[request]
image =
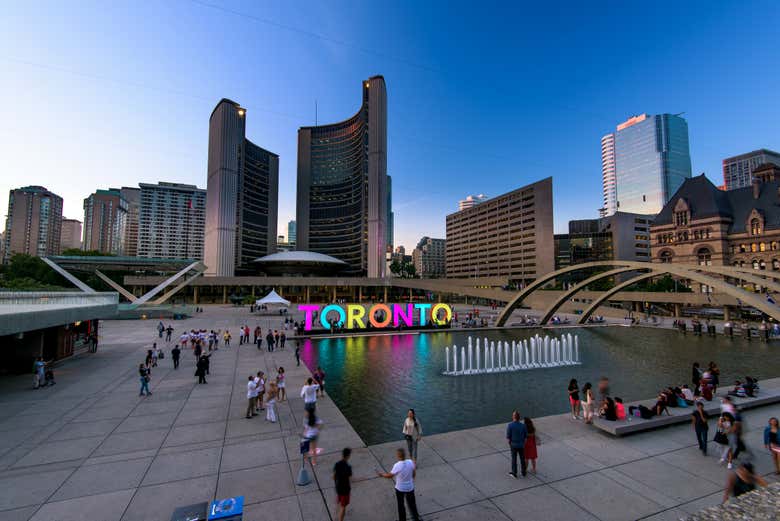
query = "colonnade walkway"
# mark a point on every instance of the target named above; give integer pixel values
(91, 448)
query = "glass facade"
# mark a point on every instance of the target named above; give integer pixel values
(254, 203)
(652, 160)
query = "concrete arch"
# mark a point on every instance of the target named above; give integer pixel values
(752, 299)
(693, 272)
(550, 311)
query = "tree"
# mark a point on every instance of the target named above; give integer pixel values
(75, 252)
(25, 272)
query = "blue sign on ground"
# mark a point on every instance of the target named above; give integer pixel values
(229, 509)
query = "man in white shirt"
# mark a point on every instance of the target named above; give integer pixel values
(403, 472)
(251, 397)
(309, 395)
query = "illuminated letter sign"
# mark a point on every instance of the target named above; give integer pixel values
(353, 317)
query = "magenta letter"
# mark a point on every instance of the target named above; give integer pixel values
(308, 309)
(398, 311)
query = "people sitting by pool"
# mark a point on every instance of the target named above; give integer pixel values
(738, 390)
(607, 409)
(679, 398)
(620, 410)
(750, 386)
(647, 413)
(687, 394)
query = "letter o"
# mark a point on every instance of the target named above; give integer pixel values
(435, 314)
(327, 309)
(376, 323)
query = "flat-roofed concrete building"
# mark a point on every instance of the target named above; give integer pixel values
(738, 171)
(172, 221)
(105, 219)
(70, 238)
(342, 186)
(34, 222)
(132, 196)
(243, 194)
(510, 235)
(429, 258)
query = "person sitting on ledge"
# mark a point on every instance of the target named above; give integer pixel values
(738, 390)
(657, 410)
(607, 409)
(750, 386)
(680, 398)
(620, 410)
(687, 394)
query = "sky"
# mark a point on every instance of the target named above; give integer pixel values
(482, 98)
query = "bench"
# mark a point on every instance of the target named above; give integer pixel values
(683, 414)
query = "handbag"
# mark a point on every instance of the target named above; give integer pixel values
(721, 438)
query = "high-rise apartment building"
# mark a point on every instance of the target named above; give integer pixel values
(34, 222)
(510, 235)
(390, 215)
(471, 201)
(172, 221)
(133, 198)
(105, 219)
(429, 258)
(70, 238)
(738, 170)
(643, 163)
(291, 234)
(342, 186)
(242, 199)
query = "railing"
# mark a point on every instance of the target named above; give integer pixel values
(9, 299)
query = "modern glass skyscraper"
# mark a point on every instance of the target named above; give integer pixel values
(390, 214)
(292, 234)
(650, 158)
(242, 195)
(342, 186)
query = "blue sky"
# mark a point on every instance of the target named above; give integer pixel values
(483, 98)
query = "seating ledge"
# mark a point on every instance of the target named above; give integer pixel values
(682, 414)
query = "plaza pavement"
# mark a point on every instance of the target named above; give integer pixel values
(91, 449)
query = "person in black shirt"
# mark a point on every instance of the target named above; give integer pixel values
(699, 421)
(342, 475)
(175, 354)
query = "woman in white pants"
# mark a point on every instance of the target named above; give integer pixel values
(270, 406)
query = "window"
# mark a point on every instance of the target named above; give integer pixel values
(755, 264)
(704, 257)
(762, 246)
(776, 264)
(681, 218)
(743, 248)
(755, 226)
(666, 257)
(773, 245)
(761, 265)
(753, 247)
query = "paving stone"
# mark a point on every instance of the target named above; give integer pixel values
(157, 502)
(55, 451)
(670, 481)
(106, 477)
(252, 454)
(85, 429)
(188, 434)
(30, 489)
(482, 510)
(108, 507)
(184, 465)
(18, 514)
(286, 508)
(147, 422)
(274, 482)
(442, 487)
(453, 446)
(541, 504)
(122, 442)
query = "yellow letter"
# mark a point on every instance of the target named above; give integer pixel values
(355, 313)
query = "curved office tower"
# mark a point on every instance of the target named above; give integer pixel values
(242, 195)
(342, 186)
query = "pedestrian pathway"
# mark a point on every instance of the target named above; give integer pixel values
(91, 448)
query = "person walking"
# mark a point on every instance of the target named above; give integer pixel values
(39, 372)
(251, 397)
(175, 355)
(270, 406)
(309, 395)
(269, 338)
(319, 378)
(412, 431)
(155, 354)
(168, 333)
(200, 369)
(226, 338)
(743, 480)
(574, 398)
(531, 441)
(144, 374)
(516, 434)
(342, 476)
(311, 433)
(700, 426)
(160, 329)
(282, 339)
(297, 353)
(258, 333)
(280, 384)
(276, 338)
(403, 473)
(772, 442)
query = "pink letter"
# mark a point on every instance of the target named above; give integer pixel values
(308, 309)
(398, 312)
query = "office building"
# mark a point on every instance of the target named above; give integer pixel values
(133, 198)
(471, 201)
(620, 236)
(70, 238)
(291, 234)
(429, 258)
(34, 222)
(105, 219)
(507, 236)
(643, 163)
(242, 199)
(738, 170)
(342, 186)
(172, 221)
(390, 215)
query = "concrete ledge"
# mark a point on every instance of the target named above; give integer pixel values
(766, 396)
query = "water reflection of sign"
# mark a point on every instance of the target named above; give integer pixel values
(354, 316)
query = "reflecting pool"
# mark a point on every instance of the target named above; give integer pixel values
(375, 379)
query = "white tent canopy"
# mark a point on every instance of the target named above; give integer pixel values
(272, 298)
